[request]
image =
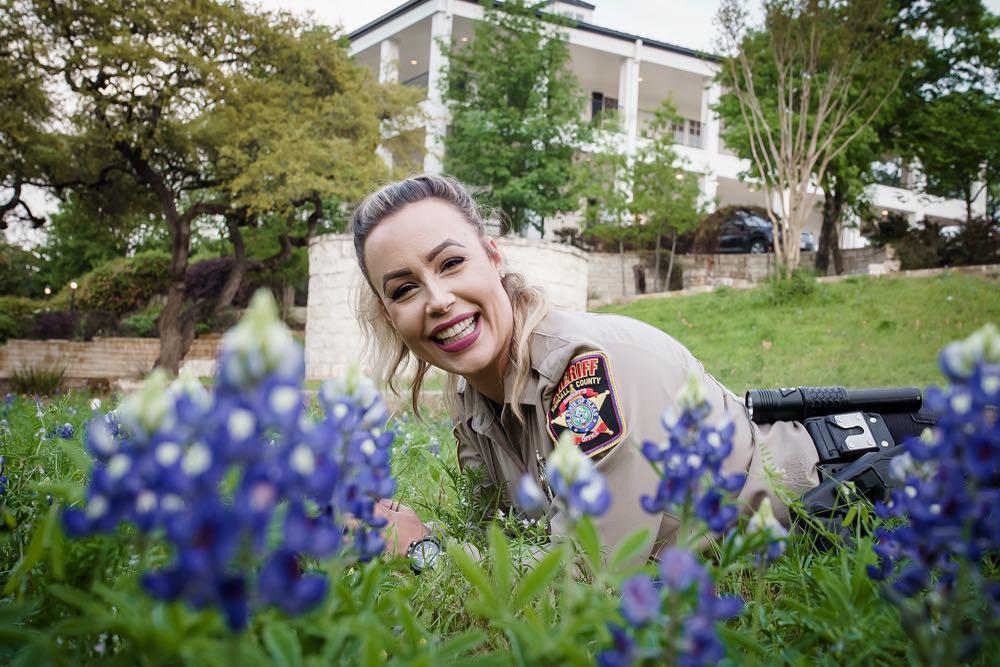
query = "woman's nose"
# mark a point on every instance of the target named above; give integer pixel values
(439, 298)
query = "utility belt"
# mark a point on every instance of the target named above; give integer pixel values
(855, 431)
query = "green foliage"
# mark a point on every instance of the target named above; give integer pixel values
(124, 284)
(521, 601)
(143, 323)
(801, 89)
(37, 380)
(254, 114)
(17, 315)
(19, 272)
(515, 114)
(79, 239)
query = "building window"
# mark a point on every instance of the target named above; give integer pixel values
(694, 133)
(599, 104)
(677, 127)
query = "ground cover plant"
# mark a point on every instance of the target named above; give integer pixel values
(754, 595)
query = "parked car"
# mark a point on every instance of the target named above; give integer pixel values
(746, 231)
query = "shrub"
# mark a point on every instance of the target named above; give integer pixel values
(60, 324)
(144, 323)
(977, 242)
(16, 316)
(43, 380)
(125, 284)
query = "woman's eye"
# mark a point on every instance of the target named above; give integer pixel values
(401, 291)
(451, 263)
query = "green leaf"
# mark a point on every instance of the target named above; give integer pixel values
(41, 539)
(282, 645)
(473, 573)
(590, 542)
(503, 570)
(538, 578)
(461, 643)
(632, 547)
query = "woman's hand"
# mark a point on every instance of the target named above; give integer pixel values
(404, 528)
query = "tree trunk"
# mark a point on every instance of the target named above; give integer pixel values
(656, 264)
(829, 235)
(670, 265)
(171, 321)
(621, 255)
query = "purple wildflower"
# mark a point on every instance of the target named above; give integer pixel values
(622, 653)
(209, 470)
(949, 492)
(640, 600)
(65, 431)
(690, 463)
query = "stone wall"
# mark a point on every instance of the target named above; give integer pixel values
(109, 358)
(607, 275)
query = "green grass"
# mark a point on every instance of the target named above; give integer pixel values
(860, 332)
(813, 606)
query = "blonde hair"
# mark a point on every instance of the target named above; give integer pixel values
(386, 351)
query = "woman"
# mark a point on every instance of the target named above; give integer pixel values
(520, 374)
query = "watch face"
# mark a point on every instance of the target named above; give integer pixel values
(425, 552)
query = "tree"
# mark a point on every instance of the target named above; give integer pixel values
(664, 194)
(804, 87)
(515, 114)
(192, 109)
(643, 197)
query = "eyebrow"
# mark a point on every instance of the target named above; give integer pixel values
(441, 246)
(435, 251)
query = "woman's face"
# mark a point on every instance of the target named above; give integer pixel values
(440, 285)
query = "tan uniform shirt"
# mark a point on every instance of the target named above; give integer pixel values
(648, 369)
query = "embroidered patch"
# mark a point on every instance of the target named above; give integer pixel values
(585, 403)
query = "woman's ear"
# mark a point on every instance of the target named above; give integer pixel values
(493, 252)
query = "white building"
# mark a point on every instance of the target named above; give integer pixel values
(626, 72)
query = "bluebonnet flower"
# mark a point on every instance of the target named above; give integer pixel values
(575, 481)
(949, 492)
(622, 654)
(683, 595)
(640, 600)
(65, 431)
(529, 495)
(763, 521)
(3, 477)
(216, 472)
(690, 462)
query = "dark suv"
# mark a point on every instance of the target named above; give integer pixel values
(745, 231)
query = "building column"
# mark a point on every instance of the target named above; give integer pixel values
(388, 56)
(709, 187)
(437, 112)
(979, 203)
(709, 121)
(628, 97)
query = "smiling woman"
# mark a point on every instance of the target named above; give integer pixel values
(522, 377)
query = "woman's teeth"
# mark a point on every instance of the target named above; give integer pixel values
(456, 331)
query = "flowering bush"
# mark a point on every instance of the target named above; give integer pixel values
(215, 472)
(690, 460)
(948, 495)
(671, 618)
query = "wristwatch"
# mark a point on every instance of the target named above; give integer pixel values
(423, 553)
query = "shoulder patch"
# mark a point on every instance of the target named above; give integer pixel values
(586, 404)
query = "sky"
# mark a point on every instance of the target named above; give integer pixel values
(681, 22)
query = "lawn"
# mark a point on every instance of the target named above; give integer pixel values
(78, 601)
(862, 332)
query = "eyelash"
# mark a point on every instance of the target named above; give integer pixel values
(447, 264)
